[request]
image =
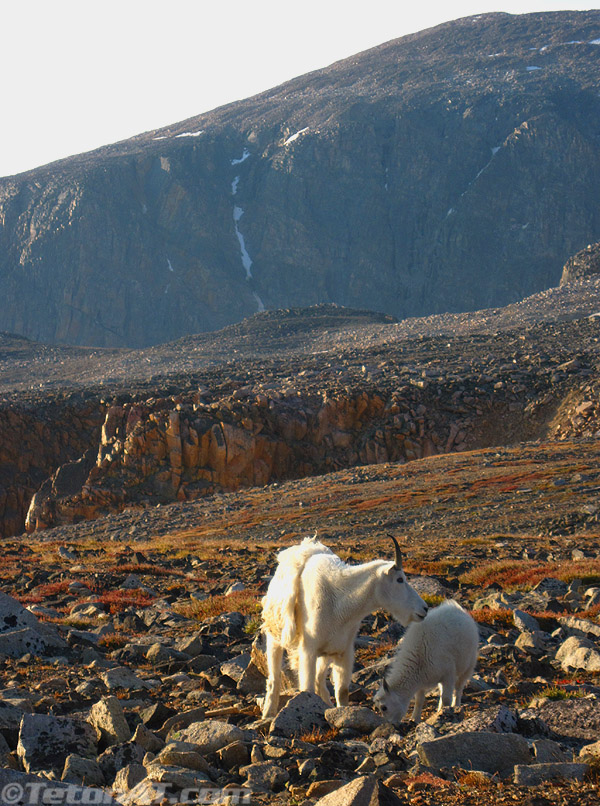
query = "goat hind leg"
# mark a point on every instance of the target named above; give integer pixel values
(307, 668)
(323, 664)
(274, 661)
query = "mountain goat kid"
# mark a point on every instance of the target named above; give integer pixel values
(440, 650)
(313, 608)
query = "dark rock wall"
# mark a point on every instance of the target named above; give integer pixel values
(450, 170)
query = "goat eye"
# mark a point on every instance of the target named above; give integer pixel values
(400, 579)
(384, 707)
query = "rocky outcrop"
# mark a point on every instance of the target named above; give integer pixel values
(34, 441)
(582, 265)
(181, 448)
(449, 170)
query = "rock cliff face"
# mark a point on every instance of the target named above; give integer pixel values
(449, 170)
(584, 264)
(34, 441)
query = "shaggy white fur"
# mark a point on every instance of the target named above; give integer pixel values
(439, 651)
(313, 609)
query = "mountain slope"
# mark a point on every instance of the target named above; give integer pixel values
(449, 170)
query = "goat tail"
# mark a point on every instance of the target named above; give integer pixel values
(279, 603)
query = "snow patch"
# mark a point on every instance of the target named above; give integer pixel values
(495, 150)
(170, 265)
(190, 134)
(243, 158)
(594, 42)
(450, 211)
(532, 67)
(167, 288)
(259, 302)
(234, 185)
(161, 137)
(295, 136)
(246, 259)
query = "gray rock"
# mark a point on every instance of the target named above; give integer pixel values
(119, 755)
(108, 718)
(178, 777)
(127, 778)
(235, 754)
(302, 713)
(210, 735)
(532, 643)
(78, 770)
(579, 626)
(264, 776)
(236, 667)
(534, 774)
(489, 752)
(578, 653)
(573, 720)
(590, 752)
(183, 754)
(147, 739)
(15, 643)
(45, 741)
(122, 677)
(497, 719)
(525, 622)
(360, 792)
(353, 717)
(546, 751)
(252, 681)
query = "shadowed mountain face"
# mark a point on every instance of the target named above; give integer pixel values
(450, 170)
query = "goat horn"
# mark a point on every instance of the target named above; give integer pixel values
(386, 687)
(398, 552)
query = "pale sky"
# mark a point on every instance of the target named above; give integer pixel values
(78, 74)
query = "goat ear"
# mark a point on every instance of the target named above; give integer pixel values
(386, 687)
(398, 558)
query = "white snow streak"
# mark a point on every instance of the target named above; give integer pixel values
(246, 259)
(243, 158)
(170, 265)
(190, 134)
(531, 68)
(234, 185)
(259, 302)
(295, 136)
(495, 150)
(594, 42)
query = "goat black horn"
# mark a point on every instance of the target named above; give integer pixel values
(398, 552)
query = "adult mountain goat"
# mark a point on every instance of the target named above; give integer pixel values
(313, 609)
(440, 650)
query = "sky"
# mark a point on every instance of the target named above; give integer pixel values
(79, 74)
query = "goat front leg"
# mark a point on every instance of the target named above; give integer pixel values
(342, 674)
(418, 706)
(307, 668)
(274, 661)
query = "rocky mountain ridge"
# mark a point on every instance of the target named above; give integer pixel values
(451, 170)
(284, 395)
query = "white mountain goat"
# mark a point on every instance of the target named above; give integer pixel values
(313, 608)
(440, 650)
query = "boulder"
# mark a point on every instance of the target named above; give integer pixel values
(264, 776)
(534, 774)
(122, 677)
(573, 720)
(480, 750)
(210, 735)
(362, 791)
(352, 717)
(578, 653)
(45, 741)
(302, 713)
(79, 770)
(108, 718)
